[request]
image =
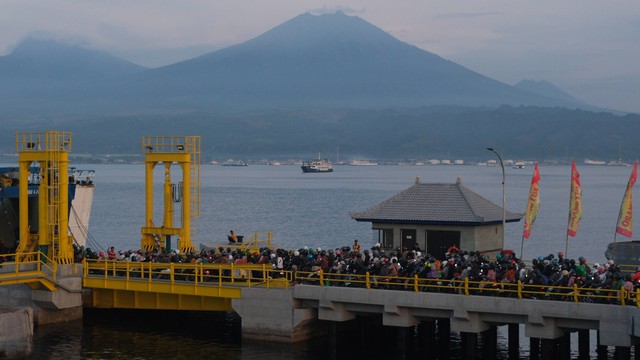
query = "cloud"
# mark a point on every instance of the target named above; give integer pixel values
(460, 15)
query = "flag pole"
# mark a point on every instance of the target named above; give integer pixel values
(522, 248)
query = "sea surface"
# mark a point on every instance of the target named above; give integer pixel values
(312, 210)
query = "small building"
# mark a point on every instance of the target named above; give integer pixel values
(437, 216)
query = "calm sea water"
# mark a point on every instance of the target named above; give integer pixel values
(313, 209)
(308, 209)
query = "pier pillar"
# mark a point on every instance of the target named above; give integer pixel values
(583, 344)
(269, 315)
(444, 333)
(534, 348)
(547, 349)
(601, 350)
(564, 346)
(514, 340)
(622, 353)
(469, 345)
(333, 338)
(401, 342)
(427, 333)
(490, 340)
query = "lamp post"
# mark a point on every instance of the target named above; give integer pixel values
(504, 198)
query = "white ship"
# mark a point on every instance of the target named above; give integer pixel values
(362, 163)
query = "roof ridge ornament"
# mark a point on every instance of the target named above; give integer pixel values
(417, 180)
(458, 181)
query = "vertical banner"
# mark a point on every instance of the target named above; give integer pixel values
(625, 217)
(533, 204)
(575, 203)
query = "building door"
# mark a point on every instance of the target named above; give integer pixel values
(408, 238)
(438, 242)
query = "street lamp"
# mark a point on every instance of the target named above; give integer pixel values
(504, 197)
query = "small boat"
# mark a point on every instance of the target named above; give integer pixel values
(362, 163)
(232, 162)
(588, 161)
(618, 162)
(317, 166)
(518, 164)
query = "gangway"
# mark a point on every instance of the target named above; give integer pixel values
(36, 270)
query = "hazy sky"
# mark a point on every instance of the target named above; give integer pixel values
(589, 48)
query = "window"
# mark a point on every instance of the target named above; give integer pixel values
(384, 237)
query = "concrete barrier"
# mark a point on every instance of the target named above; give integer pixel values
(16, 331)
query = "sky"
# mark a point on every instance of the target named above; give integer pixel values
(588, 48)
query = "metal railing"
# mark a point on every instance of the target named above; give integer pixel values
(470, 288)
(197, 274)
(27, 267)
(247, 275)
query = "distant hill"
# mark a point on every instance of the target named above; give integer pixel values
(51, 76)
(545, 88)
(442, 132)
(325, 61)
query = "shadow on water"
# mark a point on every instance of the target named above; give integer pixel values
(136, 334)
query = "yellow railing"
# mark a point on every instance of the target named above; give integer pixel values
(470, 288)
(255, 241)
(247, 275)
(189, 273)
(27, 268)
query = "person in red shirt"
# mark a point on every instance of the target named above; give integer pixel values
(111, 253)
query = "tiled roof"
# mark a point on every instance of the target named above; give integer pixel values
(437, 204)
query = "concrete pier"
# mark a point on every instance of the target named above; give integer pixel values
(306, 311)
(274, 315)
(16, 331)
(23, 308)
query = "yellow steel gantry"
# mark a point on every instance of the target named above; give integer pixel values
(184, 151)
(51, 150)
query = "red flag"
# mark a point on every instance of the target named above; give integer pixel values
(625, 217)
(533, 204)
(575, 203)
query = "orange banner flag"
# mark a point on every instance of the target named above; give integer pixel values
(625, 217)
(533, 204)
(575, 203)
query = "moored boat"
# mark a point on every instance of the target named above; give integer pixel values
(318, 165)
(362, 163)
(81, 189)
(232, 162)
(518, 164)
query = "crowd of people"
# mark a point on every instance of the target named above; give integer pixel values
(395, 265)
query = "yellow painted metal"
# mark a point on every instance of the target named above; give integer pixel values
(184, 151)
(126, 299)
(50, 149)
(33, 269)
(174, 286)
(167, 221)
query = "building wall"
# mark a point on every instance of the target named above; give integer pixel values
(472, 238)
(488, 238)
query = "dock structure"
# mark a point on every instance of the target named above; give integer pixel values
(305, 311)
(285, 306)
